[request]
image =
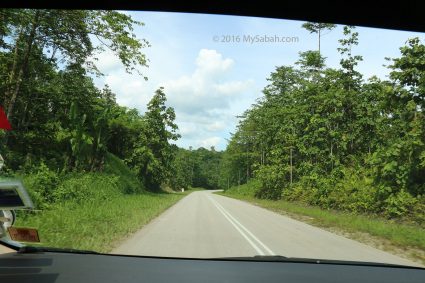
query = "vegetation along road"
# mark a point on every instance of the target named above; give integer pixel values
(323, 140)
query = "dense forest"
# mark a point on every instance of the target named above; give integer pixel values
(332, 138)
(65, 127)
(319, 135)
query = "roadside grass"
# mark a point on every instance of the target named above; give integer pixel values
(91, 211)
(95, 225)
(390, 235)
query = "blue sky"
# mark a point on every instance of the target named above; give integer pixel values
(210, 82)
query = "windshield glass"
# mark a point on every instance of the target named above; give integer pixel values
(211, 136)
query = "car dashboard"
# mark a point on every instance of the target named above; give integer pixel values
(49, 267)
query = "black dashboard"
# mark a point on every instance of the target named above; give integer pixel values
(49, 267)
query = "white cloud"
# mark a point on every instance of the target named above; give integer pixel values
(216, 126)
(209, 142)
(232, 87)
(131, 91)
(188, 130)
(108, 62)
(210, 62)
(204, 99)
(204, 90)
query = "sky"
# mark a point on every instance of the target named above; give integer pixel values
(212, 71)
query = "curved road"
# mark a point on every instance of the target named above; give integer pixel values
(206, 225)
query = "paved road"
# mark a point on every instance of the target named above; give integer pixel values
(205, 225)
(4, 250)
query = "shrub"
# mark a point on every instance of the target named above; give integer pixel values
(399, 204)
(249, 189)
(87, 187)
(272, 181)
(353, 193)
(128, 182)
(41, 185)
(418, 211)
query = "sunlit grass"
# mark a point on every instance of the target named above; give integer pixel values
(97, 226)
(105, 212)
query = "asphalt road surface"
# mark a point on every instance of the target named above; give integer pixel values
(206, 225)
(4, 250)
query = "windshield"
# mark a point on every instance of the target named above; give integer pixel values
(212, 136)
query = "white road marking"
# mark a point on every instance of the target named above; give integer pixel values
(256, 248)
(249, 232)
(239, 226)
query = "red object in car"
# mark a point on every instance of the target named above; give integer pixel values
(4, 123)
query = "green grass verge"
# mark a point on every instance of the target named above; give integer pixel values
(399, 234)
(91, 211)
(97, 226)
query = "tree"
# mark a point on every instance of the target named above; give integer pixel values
(349, 61)
(311, 61)
(408, 71)
(326, 137)
(318, 28)
(66, 36)
(400, 162)
(182, 169)
(153, 155)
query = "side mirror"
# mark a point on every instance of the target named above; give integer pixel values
(12, 196)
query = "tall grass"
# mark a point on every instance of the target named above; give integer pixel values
(97, 225)
(91, 211)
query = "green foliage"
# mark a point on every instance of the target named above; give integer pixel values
(272, 182)
(91, 187)
(323, 136)
(399, 204)
(181, 177)
(206, 168)
(48, 188)
(153, 155)
(80, 142)
(97, 225)
(311, 60)
(42, 184)
(248, 190)
(197, 168)
(66, 35)
(127, 182)
(318, 28)
(417, 213)
(328, 138)
(60, 117)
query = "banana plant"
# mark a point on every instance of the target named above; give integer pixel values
(81, 143)
(99, 142)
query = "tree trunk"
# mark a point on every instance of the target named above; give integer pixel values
(319, 41)
(23, 66)
(332, 160)
(290, 172)
(12, 71)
